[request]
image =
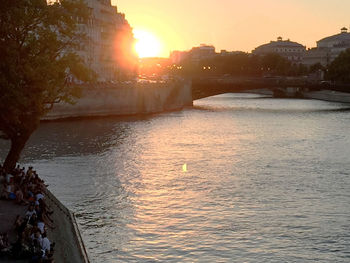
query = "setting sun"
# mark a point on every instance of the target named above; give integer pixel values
(147, 45)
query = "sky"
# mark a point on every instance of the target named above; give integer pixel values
(235, 24)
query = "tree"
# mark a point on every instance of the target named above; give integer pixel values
(276, 64)
(316, 67)
(37, 43)
(339, 69)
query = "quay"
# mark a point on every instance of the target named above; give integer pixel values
(127, 99)
(281, 87)
(8, 213)
(66, 235)
(69, 243)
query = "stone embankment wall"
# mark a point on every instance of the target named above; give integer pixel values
(328, 95)
(69, 244)
(126, 99)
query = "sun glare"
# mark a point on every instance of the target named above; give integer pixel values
(147, 45)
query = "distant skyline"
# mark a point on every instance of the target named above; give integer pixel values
(234, 24)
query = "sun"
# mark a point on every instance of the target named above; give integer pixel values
(147, 45)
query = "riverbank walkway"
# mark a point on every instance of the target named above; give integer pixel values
(8, 213)
(34, 224)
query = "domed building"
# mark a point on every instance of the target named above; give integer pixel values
(337, 41)
(292, 51)
(328, 48)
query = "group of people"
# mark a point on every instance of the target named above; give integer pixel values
(4, 242)
(24, 187)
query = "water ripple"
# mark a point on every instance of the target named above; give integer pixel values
(266, 181)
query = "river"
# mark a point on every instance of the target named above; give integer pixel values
(236, 178)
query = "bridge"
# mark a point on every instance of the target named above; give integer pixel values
(280, 86)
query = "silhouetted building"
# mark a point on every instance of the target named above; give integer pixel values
(328, 49)
(224, 52)
(196, 54)
(177, 57)
(292, 51)
(108, 50)
(202, 52)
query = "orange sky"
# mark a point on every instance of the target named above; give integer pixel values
(235, 24)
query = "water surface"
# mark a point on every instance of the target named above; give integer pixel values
(267, 180)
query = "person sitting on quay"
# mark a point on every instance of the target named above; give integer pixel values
(4, 243)
(30, 212)
(10, 191)
(28, 186)
(44, 213)
(32, 242)
(20, 197)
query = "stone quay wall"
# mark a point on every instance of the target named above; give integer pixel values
(328, 95)
(69, 243)
(126, 99)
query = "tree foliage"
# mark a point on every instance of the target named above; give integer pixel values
(339, 69)
(316, 67)
(37, 44)
(242, 64)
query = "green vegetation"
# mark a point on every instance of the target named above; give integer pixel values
(37, 43)
(242, 64)
(339, 69)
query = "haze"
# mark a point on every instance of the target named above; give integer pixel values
(235, 24)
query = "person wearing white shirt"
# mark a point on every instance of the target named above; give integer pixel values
(39, 196)
(37, 236)
(30, 211)
(45, 243)
(9, 178)
(41, 226)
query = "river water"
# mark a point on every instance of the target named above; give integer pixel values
(237, 178)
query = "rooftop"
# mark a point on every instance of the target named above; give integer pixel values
(342, 36)
(281, 43)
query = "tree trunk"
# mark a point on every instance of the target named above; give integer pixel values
(17, 145)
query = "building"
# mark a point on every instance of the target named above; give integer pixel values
(202, 52)
(109, 47)
(196, 54)
(224, 53)
(292, 51)
(328, 49)
(176, 57)
(316, 56)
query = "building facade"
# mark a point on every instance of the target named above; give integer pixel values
(328, 49)
(196, 54)
(292, 51)
(202, 52)
(176, 57)
(109, 46)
